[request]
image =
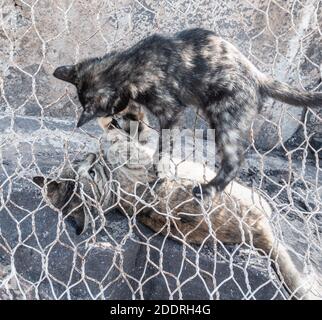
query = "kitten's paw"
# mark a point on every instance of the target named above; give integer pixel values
(202, 191)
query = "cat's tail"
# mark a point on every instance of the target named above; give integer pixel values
(293, 281)
(285, 93)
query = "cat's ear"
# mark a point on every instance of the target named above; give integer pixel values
(66, 73)
(52, 185)
(81, 221)
(40, 181)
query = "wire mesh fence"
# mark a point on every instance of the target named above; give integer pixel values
(146, 236)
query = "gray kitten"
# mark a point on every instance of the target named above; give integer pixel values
(192, 68)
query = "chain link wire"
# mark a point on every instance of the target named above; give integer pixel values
(41, 257)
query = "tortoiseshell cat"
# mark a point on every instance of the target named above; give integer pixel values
(192, 68)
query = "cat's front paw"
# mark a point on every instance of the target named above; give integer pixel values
(202, 191)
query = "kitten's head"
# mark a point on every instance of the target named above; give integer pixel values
(79, 191)
(97, 88)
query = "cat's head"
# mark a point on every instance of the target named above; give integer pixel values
(80, 191)
(98, 90)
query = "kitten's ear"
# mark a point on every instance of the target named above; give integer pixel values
(66, 73)
(81, 221)
(52, 185)
(40, 181)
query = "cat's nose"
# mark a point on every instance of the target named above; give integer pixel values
(85, 117)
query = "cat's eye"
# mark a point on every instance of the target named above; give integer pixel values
(91, 172)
